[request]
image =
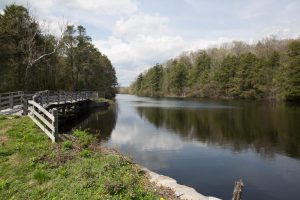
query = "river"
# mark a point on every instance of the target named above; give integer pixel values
(208, 144)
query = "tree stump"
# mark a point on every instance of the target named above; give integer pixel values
(238, 189)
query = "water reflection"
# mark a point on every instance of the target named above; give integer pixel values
(266, 129)
(100, 122)
(208, 144)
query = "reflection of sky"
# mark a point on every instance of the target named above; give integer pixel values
(210, 169)
(142, 140)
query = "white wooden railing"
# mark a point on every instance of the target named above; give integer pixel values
(48, 120)
(37, 106)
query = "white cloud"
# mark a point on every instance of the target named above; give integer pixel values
(132, 136)
(53, 25)
(44, 6)
(141, 24)
(139, 42)
(90, 7)
(105, 7)
(284, 30)
(101, 13)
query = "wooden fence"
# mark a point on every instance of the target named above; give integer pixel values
(11, 99)
(48, 120)
(40, 106)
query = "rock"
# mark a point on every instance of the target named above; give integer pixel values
(181, 191)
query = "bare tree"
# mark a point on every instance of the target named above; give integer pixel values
(35, 50)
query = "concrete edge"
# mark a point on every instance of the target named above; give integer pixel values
(181, 191)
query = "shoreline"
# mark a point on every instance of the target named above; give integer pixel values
(78, 160)
(163, 184)
(183, 192)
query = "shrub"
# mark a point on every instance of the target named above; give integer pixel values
(6, 152)
(4, 184)
(85, 153)
(67, 145)
(41, 176)
(84, 138)
(2, 117)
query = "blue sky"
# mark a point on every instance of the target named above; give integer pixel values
(136, 34)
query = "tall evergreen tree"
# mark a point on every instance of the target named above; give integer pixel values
(289, 74)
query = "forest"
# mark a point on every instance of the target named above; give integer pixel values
(32, 59)
(268, 69)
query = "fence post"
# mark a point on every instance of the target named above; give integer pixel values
(55, 124)
(42, 98)
(65, 96)
(58, 99)
(47, 97)
(22, 95)
(25, 105)
(11, 101)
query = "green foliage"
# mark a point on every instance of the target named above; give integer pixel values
(269, 69)
(40, 170)
(85, 153)
(84, 138)
(200, 69)
(4, 184)
(41, 176)
(31, 60)
(178, 78)
(288, 77)
(2, 117)
(152, 82)
(6, 152)
(243, 81)
(66, 145)
(224, 75)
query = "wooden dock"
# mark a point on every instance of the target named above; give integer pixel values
(43, 107)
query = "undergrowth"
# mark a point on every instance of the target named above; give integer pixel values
(32, 167)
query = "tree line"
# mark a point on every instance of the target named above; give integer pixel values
(268, 69)
(32, 59)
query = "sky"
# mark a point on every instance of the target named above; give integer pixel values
(137, 34)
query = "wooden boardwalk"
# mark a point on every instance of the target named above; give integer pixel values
(42, 107)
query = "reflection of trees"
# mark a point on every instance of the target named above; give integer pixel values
(101, 123)
(266, 129)
(98, 122)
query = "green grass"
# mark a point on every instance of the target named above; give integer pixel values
(111, 102)
(32, 167)
(83, 137)
(2, 117)
(67, 145)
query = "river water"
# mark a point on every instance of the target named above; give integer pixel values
(208, 144)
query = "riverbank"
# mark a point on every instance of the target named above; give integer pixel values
(34, 168)
(228, 98)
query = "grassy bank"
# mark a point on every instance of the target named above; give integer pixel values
(31, 167)
(104, 100)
